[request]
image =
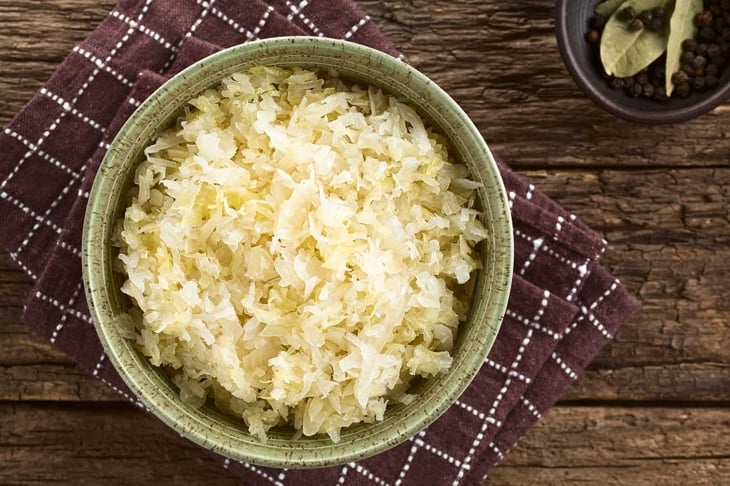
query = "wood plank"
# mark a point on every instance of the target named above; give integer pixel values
(47, 31)
(685, 383)
(681, 382)
(13, 289)
(52, 382)
(36, 37)
(622, 446)
(499, 60)
(117, 444)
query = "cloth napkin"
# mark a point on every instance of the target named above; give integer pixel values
(563, 307)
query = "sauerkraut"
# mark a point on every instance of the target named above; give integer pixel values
(296, 248)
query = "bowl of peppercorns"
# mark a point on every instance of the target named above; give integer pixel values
(648, 61)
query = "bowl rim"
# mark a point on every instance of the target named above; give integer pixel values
(179, 416)
(621, 110)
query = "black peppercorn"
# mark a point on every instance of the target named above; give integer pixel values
(707, 33)
(704, 19)
(700, 62)
(711, 81)
(597, 22)
(680, 77)
(637, 89)
(698, 84)
(716, 10)
(689, 45)
(626, 15)
(649, 82)
(712, 70)
(714, 50)
(618, 83)
(646, 16)
(725, 34)
(659, 12)
(682, 90)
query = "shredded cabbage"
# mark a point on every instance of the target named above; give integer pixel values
(297, 249)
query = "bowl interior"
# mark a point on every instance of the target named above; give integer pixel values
(207, 426)
(585, 66)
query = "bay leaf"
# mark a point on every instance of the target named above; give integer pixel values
(607, 7)
(624, 51)
(681, 27)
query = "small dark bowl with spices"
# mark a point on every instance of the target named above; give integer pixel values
(703, 84)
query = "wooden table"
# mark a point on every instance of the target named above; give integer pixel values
(654, 408)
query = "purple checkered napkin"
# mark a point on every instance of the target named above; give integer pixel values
(564, 307)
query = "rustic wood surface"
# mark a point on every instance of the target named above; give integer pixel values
(654, 407)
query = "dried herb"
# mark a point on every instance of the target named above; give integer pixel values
(701, 57)
(607, 7)
(626, 14)
(625, 51)
(681, 28)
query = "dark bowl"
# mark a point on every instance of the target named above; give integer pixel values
(585, 67)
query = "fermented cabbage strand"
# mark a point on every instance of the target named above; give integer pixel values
(296, 248)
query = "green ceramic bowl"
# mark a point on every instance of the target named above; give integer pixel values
(208, 427)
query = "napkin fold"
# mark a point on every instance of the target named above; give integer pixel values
(563, 308)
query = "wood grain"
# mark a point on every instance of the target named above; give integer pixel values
(111, 445)
(654, 406)
(622, 446)
(36, 36)
(583, 445)
(499, 60)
